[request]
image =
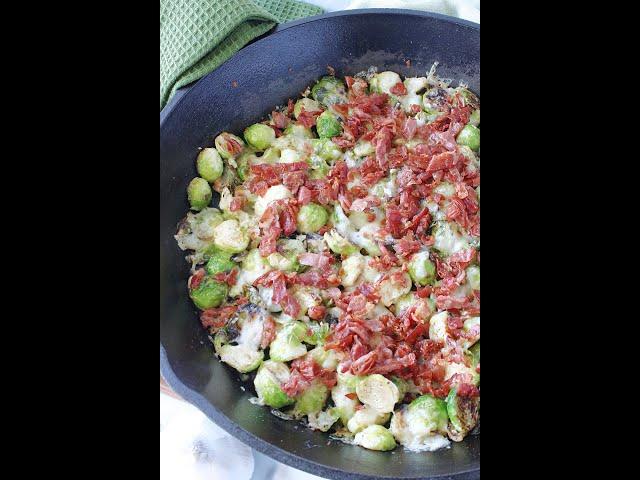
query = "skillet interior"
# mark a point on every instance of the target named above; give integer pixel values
(267, 73)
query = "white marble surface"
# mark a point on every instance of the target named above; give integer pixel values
(191, 446)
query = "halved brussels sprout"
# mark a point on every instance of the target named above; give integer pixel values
(209, 164)
(312, 400)
(469, 136)
(277, 192)
(463, 414)
(351, 269)
(431, 411)
(308, 104)
(345, 405)
(311, 217)
(383, 82)
(328, 125)
(421, 269)
(230, 237)
(420, 424)
(327, 359)
(199, 193)
(378, 392)
(329, 91)
(288, 342)
(473, 276)
(394, 287)
(268, 381)
(366, 416)
(338, 244)
(270, 155)
(286, 258)
(259, 136)
(205, 222)
(326, 149)
(375, 437)
(219, 261)
(438, 326)
(297, 130)
(241, 357)
(366, 238)
(229, 145)
(244, 161)
(324, 420)
(474, 119)
(448, 239)
(209, 294)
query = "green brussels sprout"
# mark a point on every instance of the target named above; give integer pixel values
(230, 237)
(328, 125)
(254, 265)
(267, 384)
(473, 276)
(421, 269)
(270, 155)
(351, 269)
(403, 386)
(326, 149)
(277, 192)
(286, 258)
(378, 392)
(259, 136)
(209, 294)
(327, 359)
(448, 239)
(345, 406)
(363, 148)
(365, 238)
(324, 420)
(311, 217)
(339, 244)
(209, 164)
(366, 416)
(240, 357)
(205, 222)
(463, 414)
(288, 342)
(383, 82)
(219, 261)
(229, 145)
(375, 437)
(470, 137)
(312, 400)
(244, 161)
(474, 119)
(329, 91)
(438, 326)
(199, 193)
(319, 333)
(430, 412)
(475, 352)
(318, 166)
(393, 288)
(308, 104)
(297, 130)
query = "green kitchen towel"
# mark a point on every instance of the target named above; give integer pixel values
(196, 36)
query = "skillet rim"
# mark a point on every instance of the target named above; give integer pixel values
(204, 405)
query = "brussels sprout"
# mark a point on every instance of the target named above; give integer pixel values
(434, 100)
(470, 137)
(244, 161)
(319, 333)
(277, 192)
(475, 352)
(297, 130)
(270, 155)
(366, 238)
(209, 164)
(254, 265)
(403, 387)
(327, 359)
(329, 91)
(366, 416)
(438, 326)
(230, 237)
(288, 342)
(219, 261)
(404, 302)
(345, 405)
(312, 400)
(375, 437)
(199, 193)
(205, 222)
(311, 218)
(209, 294)
(363, 148)
(339, 244)
(240, 357)
(394, 287)
(383, 82)
(259, 136)
(323, 420)
(430, 411)
(421, 269)
(463, 414)
(448, 239)
(326, 149)
(308, 104)
(472, 328)
(328, 125)
(267, 383)
(319, 167)
(229, 145)
(351, 269)
(474, 119)
(378, 392)
(473, 276)
(469, 97)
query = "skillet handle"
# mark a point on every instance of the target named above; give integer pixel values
(165, 388)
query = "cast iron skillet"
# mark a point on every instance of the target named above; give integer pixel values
(268, 72)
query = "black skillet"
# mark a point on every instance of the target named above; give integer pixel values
(239, 93)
